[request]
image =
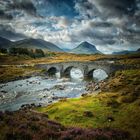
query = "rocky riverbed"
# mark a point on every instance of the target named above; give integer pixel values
(38, 91)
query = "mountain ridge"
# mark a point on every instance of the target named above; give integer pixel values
(37, 44)
(126, 52)
(30, 43)
(4, 43)
(85, 48)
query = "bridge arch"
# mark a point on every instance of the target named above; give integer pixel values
(90, 73)
(52, 71)
(67, 70)
(92, 68)
(98, 73)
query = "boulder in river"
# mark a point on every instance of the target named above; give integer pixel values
(59, 87)
(55, 98)
(3, 91)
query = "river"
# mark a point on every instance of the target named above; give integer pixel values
(41, 90)
(38, 90)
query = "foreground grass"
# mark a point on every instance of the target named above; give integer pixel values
(124, 116)
(118, 108)
(27, 125)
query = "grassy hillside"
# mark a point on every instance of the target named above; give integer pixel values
(36, 44)
(10, 73)
(65, 57)
(118, 108)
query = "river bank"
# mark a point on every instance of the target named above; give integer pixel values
(12, 73)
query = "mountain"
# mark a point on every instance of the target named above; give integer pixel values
(37, 44)
(4, 42)
(66, 50)
(85, 48)
(138, 50)
(126, 52)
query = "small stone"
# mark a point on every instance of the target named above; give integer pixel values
(84, 94)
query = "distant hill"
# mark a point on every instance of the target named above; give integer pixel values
(138, 50)
(85, 48)
(66, 50)
(37, 44)
(126, 52)
(4, 43)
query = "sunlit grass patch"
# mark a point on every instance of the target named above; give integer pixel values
(71, 112)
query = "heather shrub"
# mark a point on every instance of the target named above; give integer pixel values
(1, 116)
(18, 135)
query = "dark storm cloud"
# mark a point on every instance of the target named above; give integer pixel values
(110, 21)
(106, 8)
(3, 15)
(26, 5)
(101, 22)
(118, 7)
(100, 32)
(8, 6)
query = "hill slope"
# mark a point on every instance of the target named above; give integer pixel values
(85, 48)
(37, 44)
(4, 42)
(126, 52)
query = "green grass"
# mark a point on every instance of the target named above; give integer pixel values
(71, 113)
(121, 105)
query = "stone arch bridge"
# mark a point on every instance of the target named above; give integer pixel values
(86, 67)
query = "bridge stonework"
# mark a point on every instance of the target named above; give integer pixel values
(86, 67)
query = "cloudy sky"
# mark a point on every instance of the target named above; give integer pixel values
(111, 25)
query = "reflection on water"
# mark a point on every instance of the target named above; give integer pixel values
(37, 90)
